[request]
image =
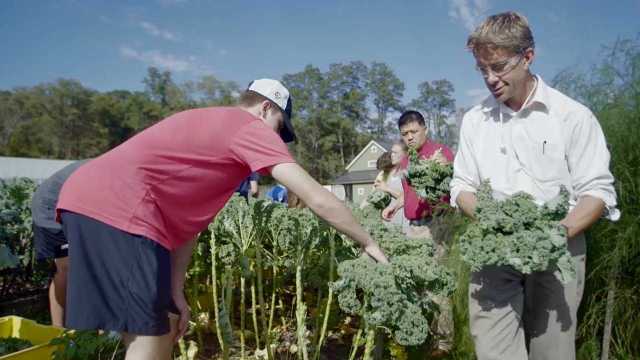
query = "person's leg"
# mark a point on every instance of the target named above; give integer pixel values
(58, 292)
(141, 347)
(50, 243)
(551, 309)
(496, 298)
(444, 326)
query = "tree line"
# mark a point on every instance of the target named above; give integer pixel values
(336, 111)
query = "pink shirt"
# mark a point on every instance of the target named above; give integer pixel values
(170, 180)
(414, 207)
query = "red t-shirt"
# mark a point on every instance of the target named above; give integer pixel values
(414, 207)
(170, 180)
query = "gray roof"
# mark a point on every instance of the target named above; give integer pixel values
(356, 177)
(35, 169)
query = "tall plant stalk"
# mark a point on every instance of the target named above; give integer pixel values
(242, 316)
(214, 281)
(370, 342)
(327, 309)
(272, 308)
(263, 309)
(318, 320)
(254, 312)
(228, 280)
(610, 307)
(355, 344)
(301, 314)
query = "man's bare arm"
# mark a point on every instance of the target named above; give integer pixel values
(180, 259)
(324, 204)
(587, 211)
(466, 200)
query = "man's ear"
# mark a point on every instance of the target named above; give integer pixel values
(529, 55)
(264, 108)
(266, 105)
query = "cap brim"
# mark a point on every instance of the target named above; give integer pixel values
(287, 134)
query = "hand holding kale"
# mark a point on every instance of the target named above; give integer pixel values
(519, 233)
(430, 178)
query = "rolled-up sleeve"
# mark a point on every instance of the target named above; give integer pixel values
(465, 173)
(588, 159)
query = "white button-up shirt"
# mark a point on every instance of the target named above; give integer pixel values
(552, 141)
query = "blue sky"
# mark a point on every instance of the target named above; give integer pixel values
(109, 44)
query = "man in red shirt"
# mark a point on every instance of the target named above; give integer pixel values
(414, 134)
(132, 215)
(419, 212)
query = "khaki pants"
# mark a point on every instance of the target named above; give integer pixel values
(509, 311)
(445, 327)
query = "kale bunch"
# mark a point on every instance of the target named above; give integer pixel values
(430, 178)
(398, 297)
(519, 233)
(379, 199)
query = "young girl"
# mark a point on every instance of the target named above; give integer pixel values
(390, 178)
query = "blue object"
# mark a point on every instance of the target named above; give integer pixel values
(245, 185)
(278, 193)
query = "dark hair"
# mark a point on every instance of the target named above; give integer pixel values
(409, 117)
(384, 163)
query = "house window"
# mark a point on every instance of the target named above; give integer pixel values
(371, 164)
(360, 191)
(374, 149)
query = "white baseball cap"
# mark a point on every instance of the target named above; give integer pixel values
(276, 92)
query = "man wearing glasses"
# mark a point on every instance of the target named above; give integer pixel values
(528, 137)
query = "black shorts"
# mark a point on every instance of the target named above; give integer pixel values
(49, 243)
(117, 281)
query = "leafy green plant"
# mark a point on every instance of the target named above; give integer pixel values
(7, 259)
(238, 231)
(332, 235)
(609, 322)
(17, 255)
(237, 227)
(224, 332)
(399, 297)
(15, 217)
(87, 345)
(303, 237)
(10, 345)
(277, 258)
(519, 233)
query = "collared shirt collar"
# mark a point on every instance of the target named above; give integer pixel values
(540, 97)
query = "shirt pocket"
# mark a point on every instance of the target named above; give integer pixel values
(547, 161)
